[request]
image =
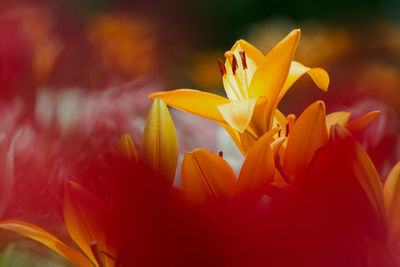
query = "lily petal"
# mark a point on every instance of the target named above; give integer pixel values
(38, 234)
(340, 117)
(159, 145)
(251, 52)
(192, 101)
(258, 169)
(318, 75)
(238, 113)
(272, 73)
(126, 148)
(235, 135)
(85, 218)
(391, 192)
(280, 121)
(357, 125)
(308, 135)
(207, 177)
(366, 174)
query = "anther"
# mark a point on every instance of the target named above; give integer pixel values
(243, 57)
(234, 64)
(222, 68)
(221, 154)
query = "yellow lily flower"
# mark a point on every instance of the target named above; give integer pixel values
(254, 85)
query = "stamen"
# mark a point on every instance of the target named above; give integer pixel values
(291, 118)
(281, 170)
(234, 64)
(221, 154)
(96, 253)
(243, 57)
(222, 68)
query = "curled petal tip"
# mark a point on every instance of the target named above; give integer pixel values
(321, 105)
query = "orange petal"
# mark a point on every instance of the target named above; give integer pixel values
(238, 113)
(340, 117)
(207, 177)
(85, 217)
(360, 123)
(308, 135)
(36, 233)
(276, 145)
(391, 193)
(192, 101)
(271, 74)
(159, 145)
(366, 174)
(235, 135)
(318, 75)
(258, 169)
(126, 148)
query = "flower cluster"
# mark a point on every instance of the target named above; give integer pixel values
(307, 193)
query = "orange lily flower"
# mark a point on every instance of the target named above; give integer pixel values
(208, 178)
(86, 216)
(308, 134)
(254, 85)
(383, 197)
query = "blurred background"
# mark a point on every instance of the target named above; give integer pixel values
(75, 75)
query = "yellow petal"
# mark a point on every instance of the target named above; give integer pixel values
(38, 234)
(126, 148)
(271, 74)
(238, 113)
(85, 217)
(340, 117)
(159, 145)
(308, 135)
(240, 66)
(207, 177)
(192, 101)
(391, 193)
(357, 125)
(251, 52)
(318, 75)
(258, 169)
(258, 126)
